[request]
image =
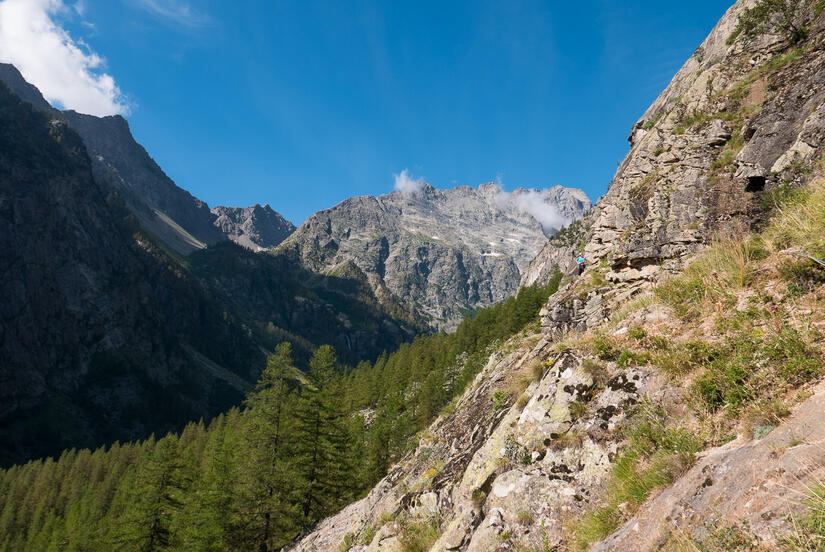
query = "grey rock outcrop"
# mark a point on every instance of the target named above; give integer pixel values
(736, 121)
(757, 482)
(509, 475)
(446, 251)
(257, 228)
(559, 253)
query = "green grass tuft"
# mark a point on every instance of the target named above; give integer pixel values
(419, 535)
(655, 455)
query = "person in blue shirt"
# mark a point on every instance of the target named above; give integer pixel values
(580, 261)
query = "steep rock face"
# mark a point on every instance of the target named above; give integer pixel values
(735, 123)
(181, 220)
(446, 251)
(256, 228)
(88, 304)
(171, 214)
(559, 253)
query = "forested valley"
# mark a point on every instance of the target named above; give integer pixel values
(307, 441)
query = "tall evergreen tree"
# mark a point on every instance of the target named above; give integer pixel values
(158, 494)
(323, 444)
(270, 480)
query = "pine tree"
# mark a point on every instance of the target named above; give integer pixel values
(211, 520)
(157, 495)
(323, 444)
(270, 485)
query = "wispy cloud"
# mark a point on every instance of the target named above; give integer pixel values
(175, 11)
(66, 70)
(406, 184)
(534, 203)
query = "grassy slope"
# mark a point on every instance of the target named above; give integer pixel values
(741, 329)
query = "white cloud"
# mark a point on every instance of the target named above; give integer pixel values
(406, 184)
(533, 202)
(175, 11)
(65, 70)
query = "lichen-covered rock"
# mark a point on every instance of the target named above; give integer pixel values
(561, 455)
(507, 475)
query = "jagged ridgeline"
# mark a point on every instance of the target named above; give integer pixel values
(301, 449)
(443, 252)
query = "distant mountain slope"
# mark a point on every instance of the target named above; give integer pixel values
(256, 228)
(282, 300)
(183, 222)
(101, 335)
(446, 251)
(173, 214)
(106, 334)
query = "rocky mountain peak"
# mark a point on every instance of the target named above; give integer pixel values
(11, 77)
(258, 227)
(445, 250)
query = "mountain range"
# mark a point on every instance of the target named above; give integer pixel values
(666, 397)
(446, 251)
(122, 289)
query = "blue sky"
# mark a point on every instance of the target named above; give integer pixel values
(301, 104)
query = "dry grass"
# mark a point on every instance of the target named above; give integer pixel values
(714, 277)
(799, 221)
(418, 535)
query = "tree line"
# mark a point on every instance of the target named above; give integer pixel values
(255, 477)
